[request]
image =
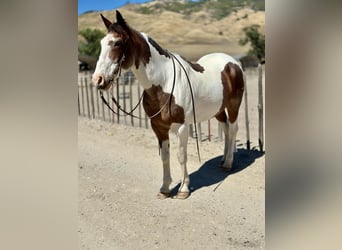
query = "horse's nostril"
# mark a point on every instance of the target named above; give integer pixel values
(99, 80)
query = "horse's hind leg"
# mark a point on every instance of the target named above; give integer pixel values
(230, 130)
(232, 79)
(223, 122)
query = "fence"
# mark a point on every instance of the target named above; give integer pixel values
(127, 92)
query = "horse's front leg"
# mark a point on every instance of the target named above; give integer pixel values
(162, 132)
(183, 191)
(165, 156)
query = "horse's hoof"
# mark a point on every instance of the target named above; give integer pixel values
(162, 195)
(226, 169)
(182, 195)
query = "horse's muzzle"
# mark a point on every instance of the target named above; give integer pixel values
(101, 83)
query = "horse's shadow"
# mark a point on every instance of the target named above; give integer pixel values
(211, 173)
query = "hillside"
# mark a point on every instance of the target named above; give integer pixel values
(190, 32)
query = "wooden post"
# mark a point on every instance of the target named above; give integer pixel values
(112, 94)
(103, 111)
(261, 110)
(109, 112)
(124, 99)
(140, 121)
(246, 115)
(92, 100)
(130, 98)
(97, 103)
(87, 94)
(118, 100)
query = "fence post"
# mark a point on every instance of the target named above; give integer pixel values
(118, 99)
(88, 104)
(139, 93)
(124, 99)
(112, 93)
(92, 100)
(246, 114)
(261, 109)
(109, 112)
(97, 103)
(103, 110)
(131, 98)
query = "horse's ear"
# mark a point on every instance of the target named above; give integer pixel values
(106, 21)
(120, 19)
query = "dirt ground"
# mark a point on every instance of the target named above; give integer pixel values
(120, 173)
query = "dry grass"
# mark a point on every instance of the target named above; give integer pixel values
(190, 36)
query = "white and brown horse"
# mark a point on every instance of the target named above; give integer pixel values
(174, 90)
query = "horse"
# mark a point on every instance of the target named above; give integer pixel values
(175, 91)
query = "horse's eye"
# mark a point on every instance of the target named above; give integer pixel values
(118, 43)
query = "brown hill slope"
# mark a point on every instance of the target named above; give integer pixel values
(189, 35)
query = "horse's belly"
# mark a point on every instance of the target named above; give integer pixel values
(206, 111)
(207, 104)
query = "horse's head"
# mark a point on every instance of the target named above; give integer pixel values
(112, 57)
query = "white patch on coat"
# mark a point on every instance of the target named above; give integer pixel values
(105, 66)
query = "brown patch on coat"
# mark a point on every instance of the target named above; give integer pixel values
(233, 87)
(155, 100)
(132, 45)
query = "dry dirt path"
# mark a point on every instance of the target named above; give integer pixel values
(120, 174)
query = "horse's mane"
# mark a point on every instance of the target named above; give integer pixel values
(195, 66)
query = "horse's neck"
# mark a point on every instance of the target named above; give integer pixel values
(156, 71)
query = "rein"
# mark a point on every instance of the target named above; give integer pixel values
(119, 107)
(168, 102)
(193, 105)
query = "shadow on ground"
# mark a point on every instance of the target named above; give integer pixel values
(210, 172)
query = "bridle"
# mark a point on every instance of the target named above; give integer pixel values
(117, 75)
(130, 113)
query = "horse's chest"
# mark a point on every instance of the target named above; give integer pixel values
(161, 105)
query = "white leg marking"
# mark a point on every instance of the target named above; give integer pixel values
(224, 127)
(183, 135)
(165, 156)
(230, 144)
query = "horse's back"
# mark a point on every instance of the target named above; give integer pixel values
(216, 61)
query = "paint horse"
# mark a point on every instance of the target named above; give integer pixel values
(175, 90)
